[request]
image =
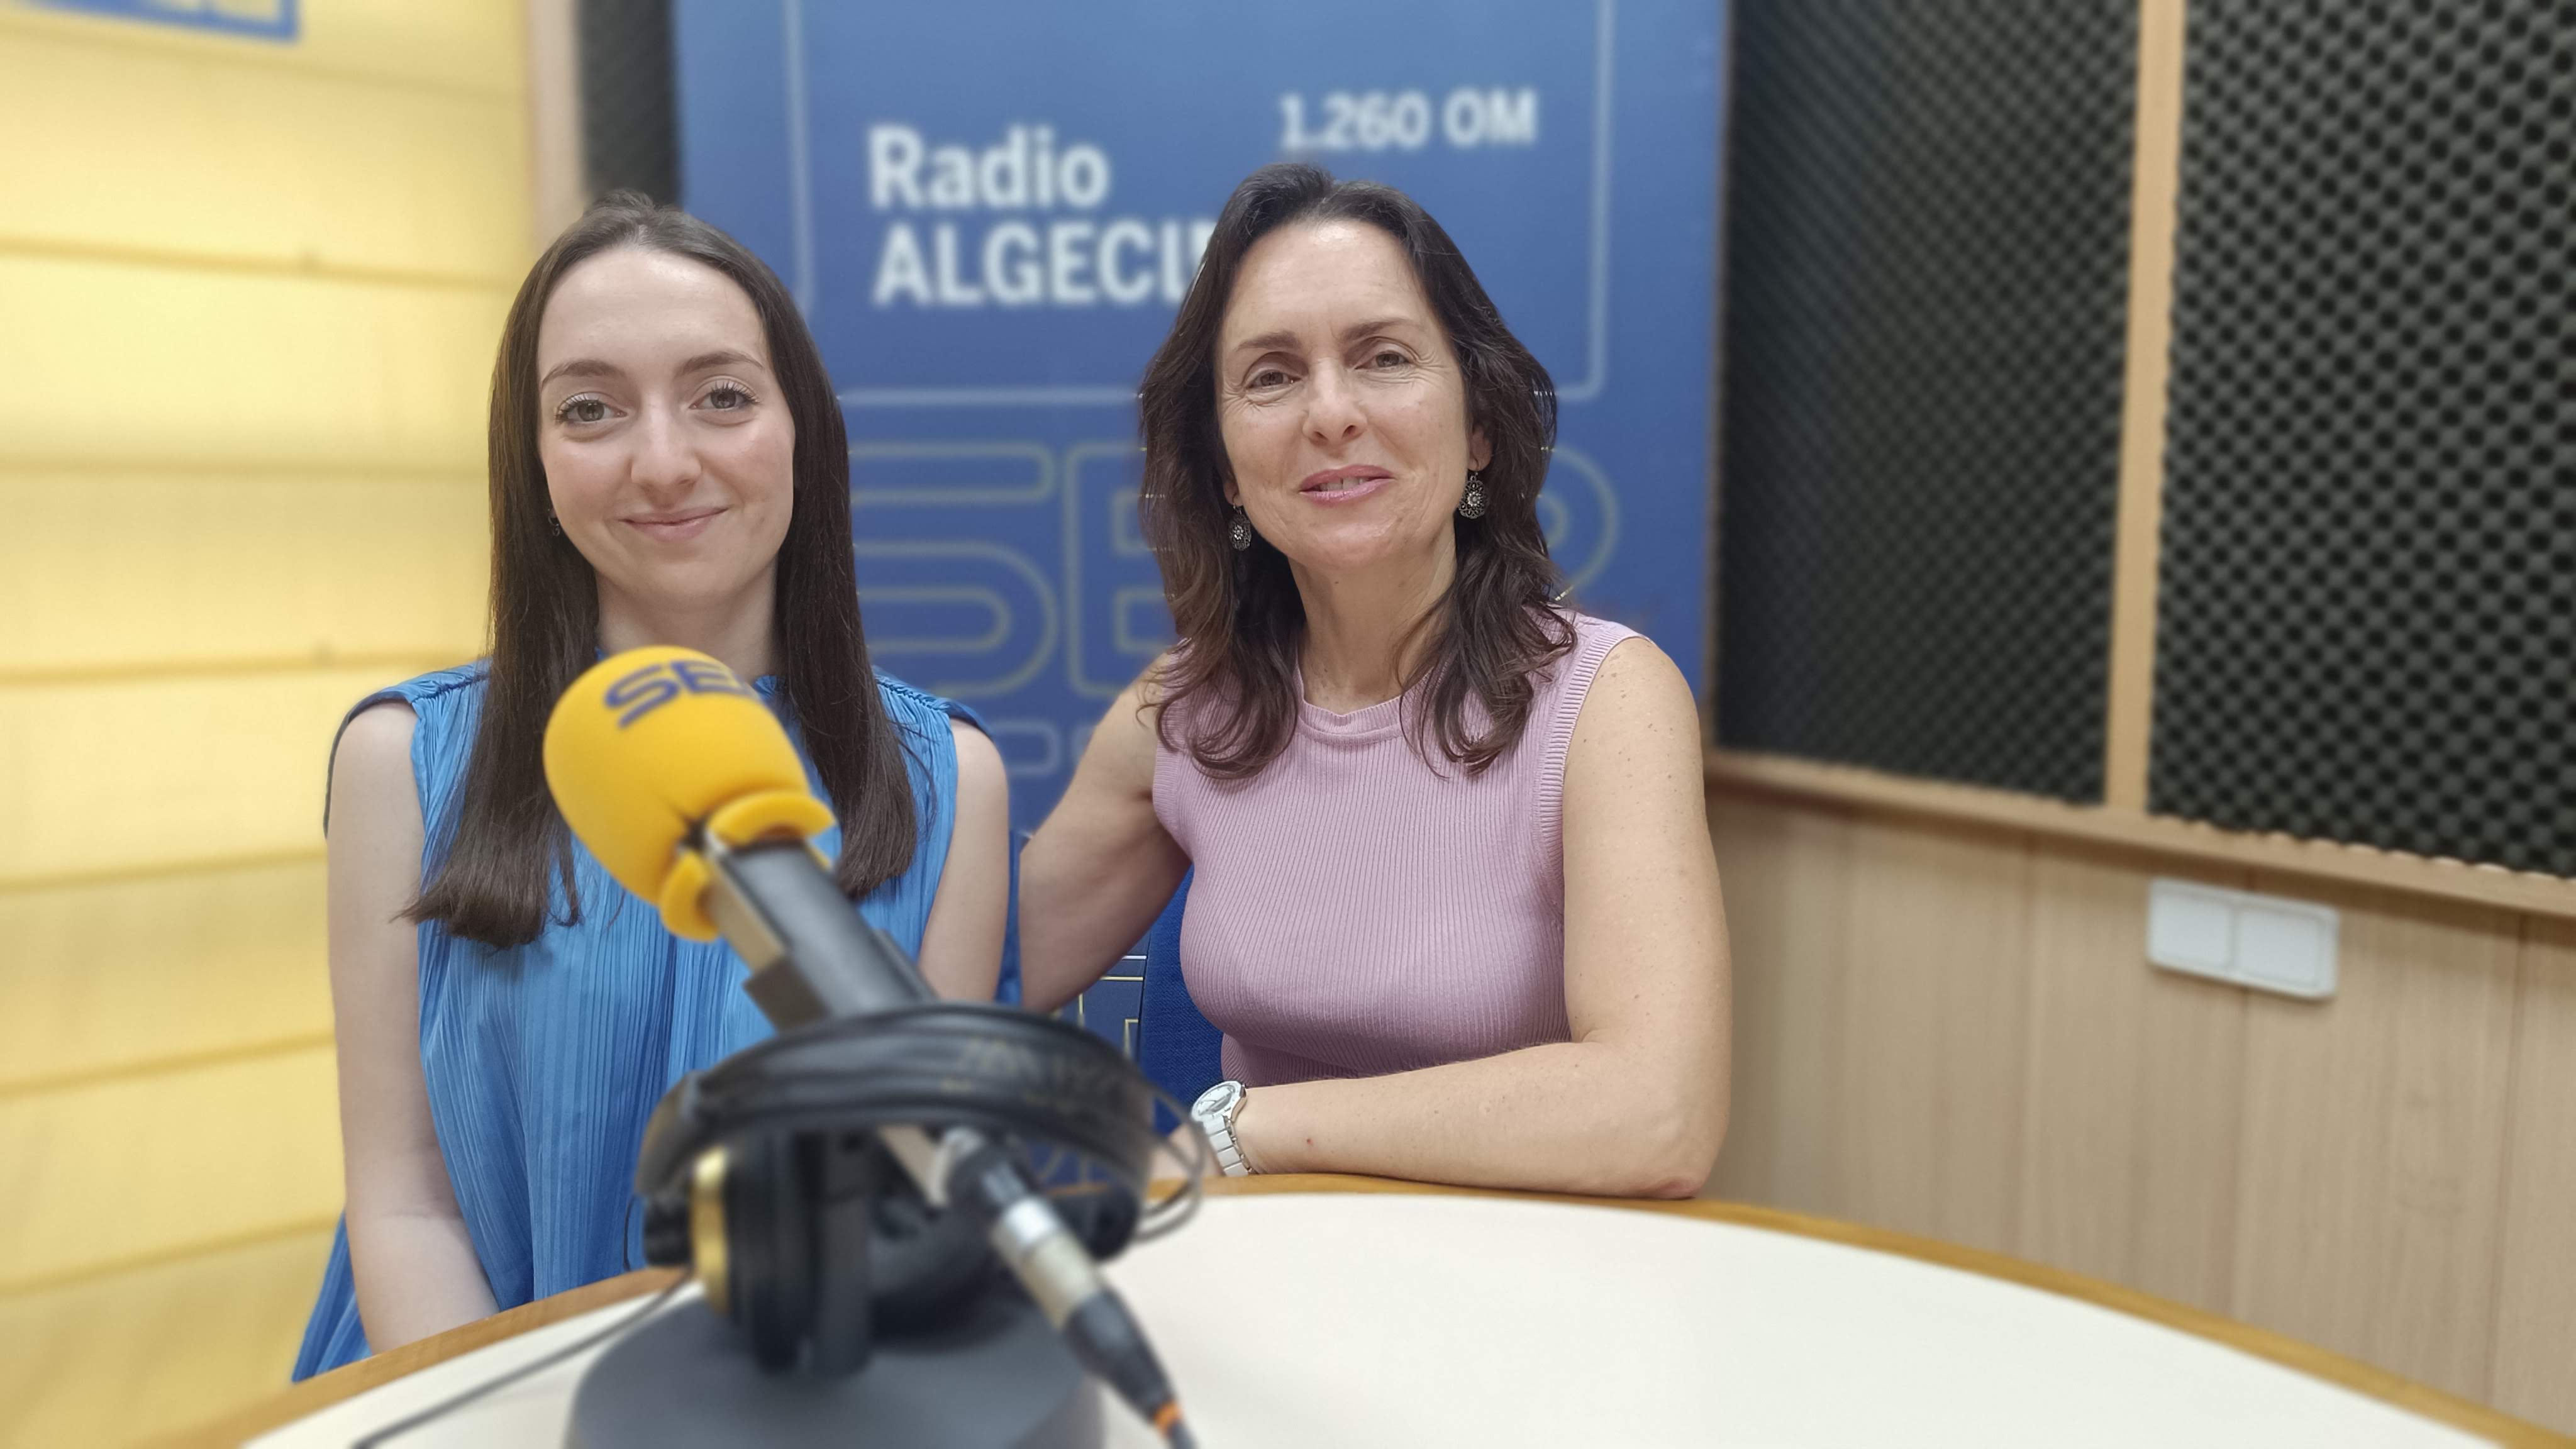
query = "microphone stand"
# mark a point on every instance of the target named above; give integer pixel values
(999, 1375)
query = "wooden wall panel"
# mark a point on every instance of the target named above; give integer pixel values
(252, 290)
(270, 566)
(1935, 999)
(309, 170)
(122, 974)
(2388, 1174)
(2535, 1353)
(2136, 1080)
(1784, 873)
(156, 1165)
(216, 1330)
(121, 775)
(187, 366)
(2154, 180)
(559, 191)
(2368, 1208)
(473, 48)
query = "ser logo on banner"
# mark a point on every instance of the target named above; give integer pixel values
(990, 213)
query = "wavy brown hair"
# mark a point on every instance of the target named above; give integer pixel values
(506, 841)
(1239, 615)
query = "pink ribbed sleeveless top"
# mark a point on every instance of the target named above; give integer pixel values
(1356, 912)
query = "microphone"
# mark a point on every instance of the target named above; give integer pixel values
(683, 784)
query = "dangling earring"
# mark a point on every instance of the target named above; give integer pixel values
(1239, 532)
(1472, 507)
(554, 525)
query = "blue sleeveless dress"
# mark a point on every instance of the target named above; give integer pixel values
(545, 1060)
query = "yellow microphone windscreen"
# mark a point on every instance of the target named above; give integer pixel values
(650, 743)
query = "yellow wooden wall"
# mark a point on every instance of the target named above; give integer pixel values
(250, 292)
(1952, 1030)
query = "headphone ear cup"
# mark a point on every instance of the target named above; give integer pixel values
(768, 1242)
(926, 1266)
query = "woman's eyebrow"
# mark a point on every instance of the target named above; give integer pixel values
(1267, 341)
(1358, 330)
(721, 357)
(581, 367)
(1284, 338)
(594, 367)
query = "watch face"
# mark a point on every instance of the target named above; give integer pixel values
(1216, 1100)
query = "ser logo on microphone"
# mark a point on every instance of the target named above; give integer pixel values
(657, 684)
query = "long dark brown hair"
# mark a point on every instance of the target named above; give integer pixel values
(1239, 615)
(506, 840)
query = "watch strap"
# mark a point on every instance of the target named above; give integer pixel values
(1222, 1141)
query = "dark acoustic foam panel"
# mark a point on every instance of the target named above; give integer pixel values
(629, 114)
(2367, 596)
(1926, 303)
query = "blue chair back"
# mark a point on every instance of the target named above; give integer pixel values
(1175, 1046)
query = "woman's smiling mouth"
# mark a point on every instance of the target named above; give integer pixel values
(674, 526)
(1344, 485)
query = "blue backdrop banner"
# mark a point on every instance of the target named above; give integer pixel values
(990, 211)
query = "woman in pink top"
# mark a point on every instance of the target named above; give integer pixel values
(1455, 908)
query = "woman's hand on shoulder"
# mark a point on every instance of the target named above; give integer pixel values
(961, 944)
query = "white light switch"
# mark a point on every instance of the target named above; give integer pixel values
(2265, 942)
(2190, 928)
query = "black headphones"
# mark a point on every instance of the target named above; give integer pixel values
(764, 1175)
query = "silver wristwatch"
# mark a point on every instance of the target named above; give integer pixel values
(1215, 1112)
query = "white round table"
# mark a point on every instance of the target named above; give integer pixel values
(1324, 1317)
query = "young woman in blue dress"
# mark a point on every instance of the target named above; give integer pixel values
(668, 466)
